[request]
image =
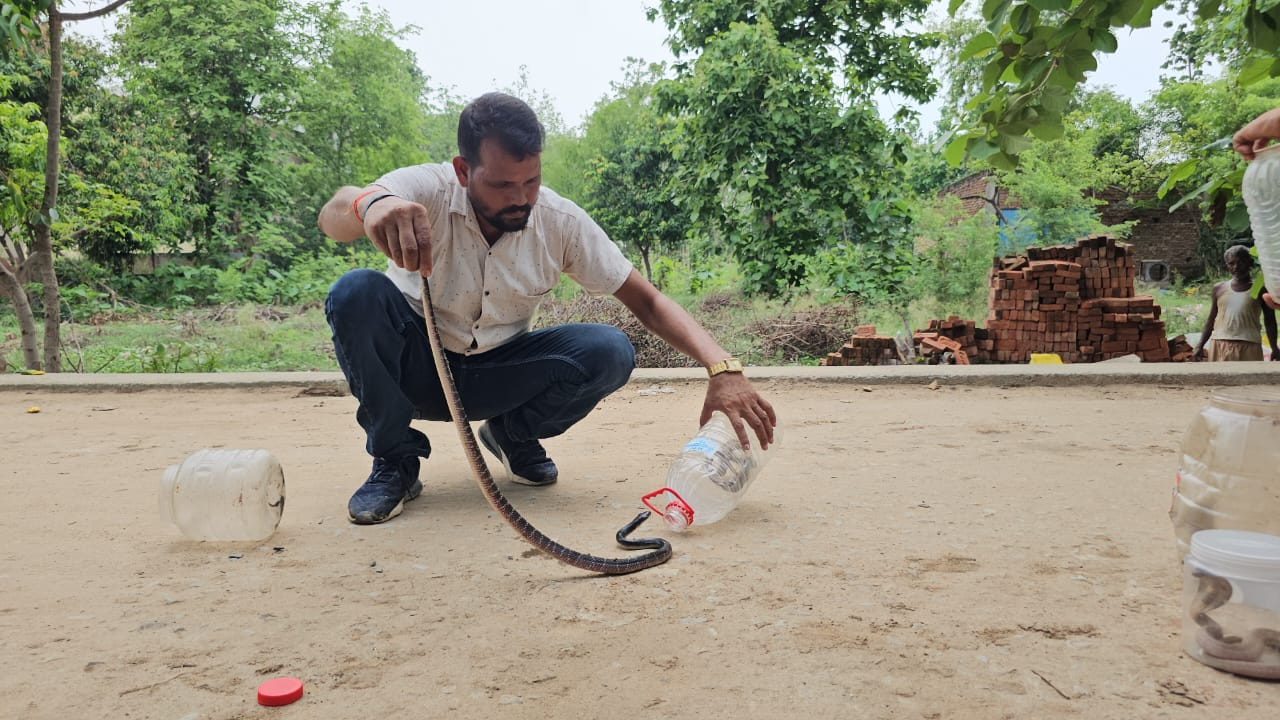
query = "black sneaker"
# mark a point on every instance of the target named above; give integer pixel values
(391, 484)
(526, 462)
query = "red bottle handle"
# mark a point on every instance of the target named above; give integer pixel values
(679, 503)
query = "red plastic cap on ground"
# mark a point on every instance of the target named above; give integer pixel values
(280, 691)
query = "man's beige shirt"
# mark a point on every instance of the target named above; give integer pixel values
(485, 296)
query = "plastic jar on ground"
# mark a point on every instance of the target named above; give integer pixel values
(1229, 471)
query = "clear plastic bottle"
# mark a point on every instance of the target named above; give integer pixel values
(711, 475)
(1229, 472)
(1261, 191)
(224, 495)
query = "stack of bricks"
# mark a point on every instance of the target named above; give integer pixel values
(1180, 350)
(1033, 308)
(865, 348)
(1073, 301)
(940, 350)
(959, 337)
(1112, 327)
(1107, 266)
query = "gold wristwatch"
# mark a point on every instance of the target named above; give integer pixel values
(725, 365)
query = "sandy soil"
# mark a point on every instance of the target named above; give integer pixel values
(967, 552)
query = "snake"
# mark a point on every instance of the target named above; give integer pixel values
(1239, 655)
(659, 549)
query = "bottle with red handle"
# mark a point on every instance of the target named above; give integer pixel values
(710, 476)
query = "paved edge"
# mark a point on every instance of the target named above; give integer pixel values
(1105, 373)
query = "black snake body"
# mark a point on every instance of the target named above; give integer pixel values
(660, 549)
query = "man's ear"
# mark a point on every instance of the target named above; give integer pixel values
(461, 169)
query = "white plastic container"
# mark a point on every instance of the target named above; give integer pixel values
(224, 495)
(710, 476)
(1231, 601)
(1229, 470)
(1261, 192)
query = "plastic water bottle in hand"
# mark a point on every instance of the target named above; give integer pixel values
(710, 476)
(1260, 189)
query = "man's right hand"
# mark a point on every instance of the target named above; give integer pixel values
(1257, 134)
(399, 228)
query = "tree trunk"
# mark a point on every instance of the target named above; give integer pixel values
(39, 264)
(42, 255)
(26, 319)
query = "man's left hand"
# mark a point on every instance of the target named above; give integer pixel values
(732, 394)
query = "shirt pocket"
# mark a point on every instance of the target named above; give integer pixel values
(519, 308)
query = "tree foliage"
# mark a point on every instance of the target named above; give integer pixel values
(224, 75)
(863, 41)
(32, 256)
(629, 170)
(1035, 53)
(19, 22)
(780, 152)
(1194, 122)
(363, 107)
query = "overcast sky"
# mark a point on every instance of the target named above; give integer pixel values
(574, 49)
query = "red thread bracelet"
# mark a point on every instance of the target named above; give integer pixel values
(355, 204)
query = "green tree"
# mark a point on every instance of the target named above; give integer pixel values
(22, 142)
(567, 160)
(20, 21)
(364, 108)
(628, 179)
(1194, 122)
(780, 149)
(224, 74)
(32, 256)
(863, 42)
(956, 250)
(1036, 53)
(119, 189)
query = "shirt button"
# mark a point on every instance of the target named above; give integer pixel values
(486, 292)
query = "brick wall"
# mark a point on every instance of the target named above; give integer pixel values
(973, 190)
(1157, 235)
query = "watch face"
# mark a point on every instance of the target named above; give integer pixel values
(733, 365)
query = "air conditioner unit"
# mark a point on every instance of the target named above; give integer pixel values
(1155, 271)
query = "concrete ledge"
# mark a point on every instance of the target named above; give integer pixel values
(1106, 373)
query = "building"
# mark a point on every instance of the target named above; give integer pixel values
(1163, 242)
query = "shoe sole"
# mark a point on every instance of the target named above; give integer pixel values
(492, 446)
(414, 491)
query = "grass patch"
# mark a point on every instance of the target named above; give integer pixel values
(248, 338)
(1183, 307)
(224, 339)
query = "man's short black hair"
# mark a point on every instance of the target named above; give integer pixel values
(503, 118)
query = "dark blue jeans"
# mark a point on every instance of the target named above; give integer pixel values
(539, 383)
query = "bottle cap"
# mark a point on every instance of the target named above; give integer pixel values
(280, 691)
(677, 513)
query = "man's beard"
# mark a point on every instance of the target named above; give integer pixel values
(512, 218)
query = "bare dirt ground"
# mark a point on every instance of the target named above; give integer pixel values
(965, 552)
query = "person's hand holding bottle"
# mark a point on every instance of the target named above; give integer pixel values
(1248, 141)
